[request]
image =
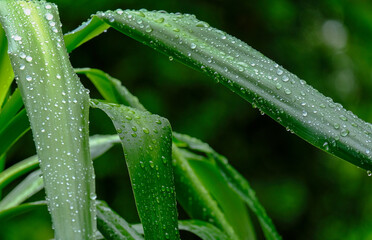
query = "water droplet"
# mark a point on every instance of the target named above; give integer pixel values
(145, 130)
(134, 129)
(326, 146)
(170, 58)
(158, 122)
(278, 86)
(193, 45)
(49, 16)
(148, 29)
(17, 38)
(287, 91)
(21, 67)
(279, 72)
(202, 24)
(28, 58)
(48, 6)
(344, 132)
(159, 20)
(152, 165)
(128, 117)
(304, 113)
(285, 78)
(22, 55)
(58, 76)
(343, 118)
(27, 11)
(369, 173)
(336, 126)
(28, 78)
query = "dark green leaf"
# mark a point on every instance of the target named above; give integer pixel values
(204, 230)
(112, 226)
(84, 33)
(146, 141)
(110, 88)
(15, 129)
(14, 211)
(187, 180)
(236, 182)
(12, 106)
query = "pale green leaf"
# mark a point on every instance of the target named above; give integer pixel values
(58, 106)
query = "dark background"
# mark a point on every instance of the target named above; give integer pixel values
(308, 193)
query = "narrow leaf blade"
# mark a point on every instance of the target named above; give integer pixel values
(58, 106)
(231, 62)
(146, 141)
(32, 184)
(88, 30)
(237, 183)
(6, 71)
(112, 226)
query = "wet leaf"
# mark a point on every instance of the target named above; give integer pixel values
(146, 140)
(57, 106)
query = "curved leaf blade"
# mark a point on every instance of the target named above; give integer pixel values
(14, 130)
(14, 211)
(111, 88)
(236, 182)
(231, 62)
(32, 184)
(10, 109)
(58, 106)
(88, 30)
(204, 230)
(188, 181)
(112, 226)
(146, 141)
(6, 71)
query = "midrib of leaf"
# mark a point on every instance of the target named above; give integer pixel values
(57, 106)
(231, 62)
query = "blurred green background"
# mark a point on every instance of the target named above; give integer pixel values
(308, 193)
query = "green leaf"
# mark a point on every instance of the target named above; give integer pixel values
(58, 106)
(11, 108)
(146, 141)
(18, 170)
(193, 194)
(112, 226)
(236, 182)
(195, 198)
(32, 184)
(229, 202)
(14, 130)
(88, 30)
(14, 211)
(204, 230)
(275, 91)
(111, 88)
(6, 71)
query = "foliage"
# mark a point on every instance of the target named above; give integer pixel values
(161, 167)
